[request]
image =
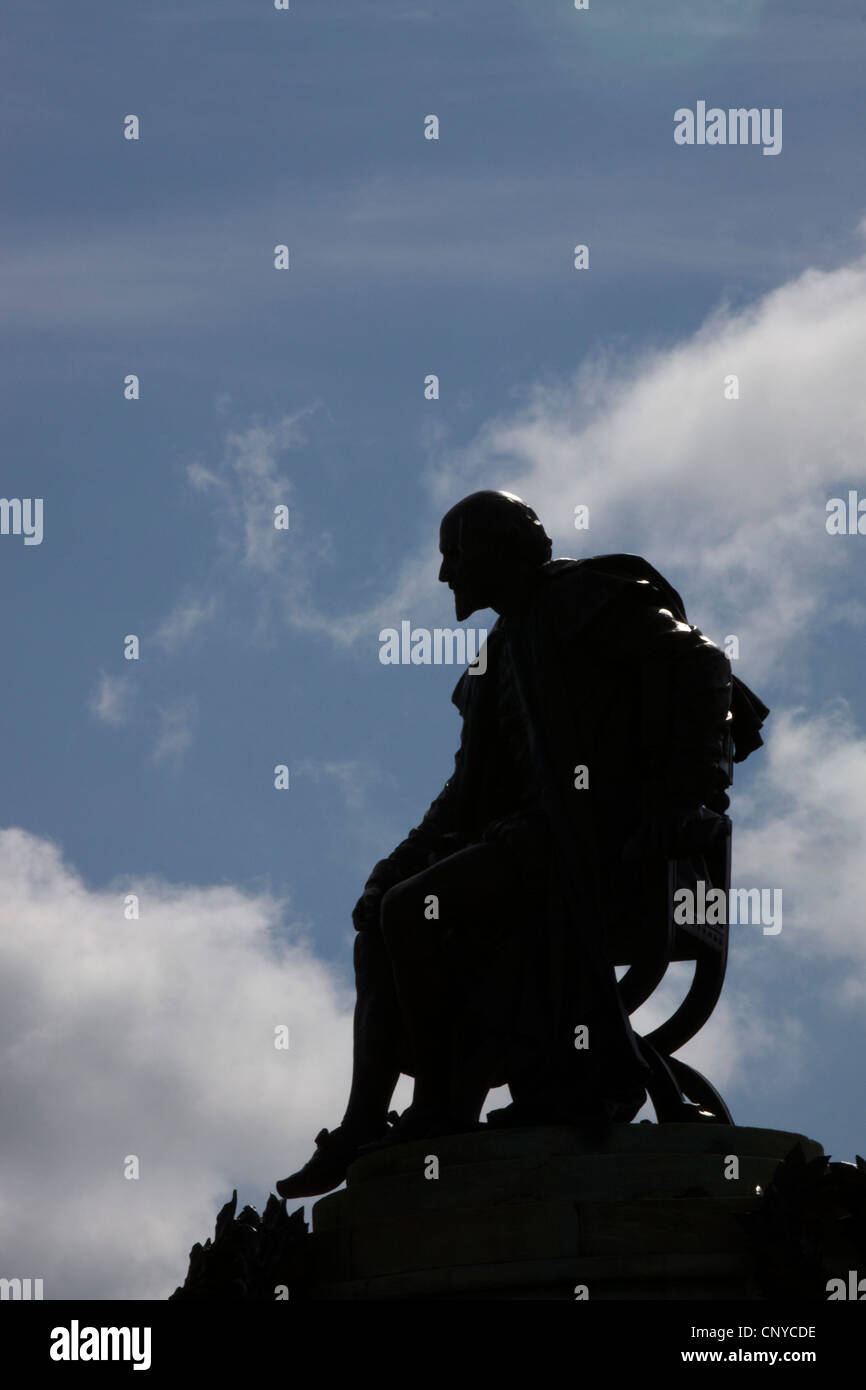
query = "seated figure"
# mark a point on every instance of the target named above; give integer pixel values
(595, 747)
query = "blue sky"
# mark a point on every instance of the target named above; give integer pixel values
(604, 386)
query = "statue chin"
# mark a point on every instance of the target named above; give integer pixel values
(465, 606)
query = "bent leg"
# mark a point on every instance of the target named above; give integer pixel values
(449, 933)
(377, 1032)
(375, 1069)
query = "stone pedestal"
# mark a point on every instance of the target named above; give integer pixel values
(646, 1212)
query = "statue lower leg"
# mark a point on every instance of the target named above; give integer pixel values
(375, 1070)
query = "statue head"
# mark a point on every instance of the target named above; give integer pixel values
(493, 547)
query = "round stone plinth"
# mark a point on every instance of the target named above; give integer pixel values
(648, 1211)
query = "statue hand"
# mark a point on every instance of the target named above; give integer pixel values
(524, 832)
(365, 913)
(384, 875)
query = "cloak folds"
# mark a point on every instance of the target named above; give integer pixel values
(600, 670)
(608, 675)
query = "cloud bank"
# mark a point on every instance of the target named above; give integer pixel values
(152, 1038)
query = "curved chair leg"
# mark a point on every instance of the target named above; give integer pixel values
(693, 1012)
(669, 1085)
(639, 982)
(663, 1091)
(696, 1086)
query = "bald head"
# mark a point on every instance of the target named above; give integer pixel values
(506, 520)
(493, 546)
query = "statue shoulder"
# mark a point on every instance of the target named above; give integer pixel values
(591, 583)
(578, 590)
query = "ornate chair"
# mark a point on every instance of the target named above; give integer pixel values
(647, 947)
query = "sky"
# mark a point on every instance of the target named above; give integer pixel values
(607, 387)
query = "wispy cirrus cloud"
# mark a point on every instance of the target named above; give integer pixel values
(241, 490)
(175, 725)
(187, 618)
(719, 491)
(112, 699)
(105, 274)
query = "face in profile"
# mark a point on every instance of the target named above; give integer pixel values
(490, 555)
(466, 567)
(470, 566)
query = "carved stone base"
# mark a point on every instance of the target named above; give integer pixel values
(648, 1211)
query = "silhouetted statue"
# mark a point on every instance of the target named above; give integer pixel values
(595, 755)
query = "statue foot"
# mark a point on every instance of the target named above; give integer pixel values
(335, 1150)
(414, 1125)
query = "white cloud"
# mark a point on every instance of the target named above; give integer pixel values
(155, 1038)
(727, 496)
(806, 819)
(247, 486)
(243, 490)
(184, 620)
(175, 729)
(352, 778)
(112, 699)
(364, 829)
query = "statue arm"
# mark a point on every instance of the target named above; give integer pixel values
(439, 833)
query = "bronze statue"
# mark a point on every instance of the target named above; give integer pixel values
(591, 776)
